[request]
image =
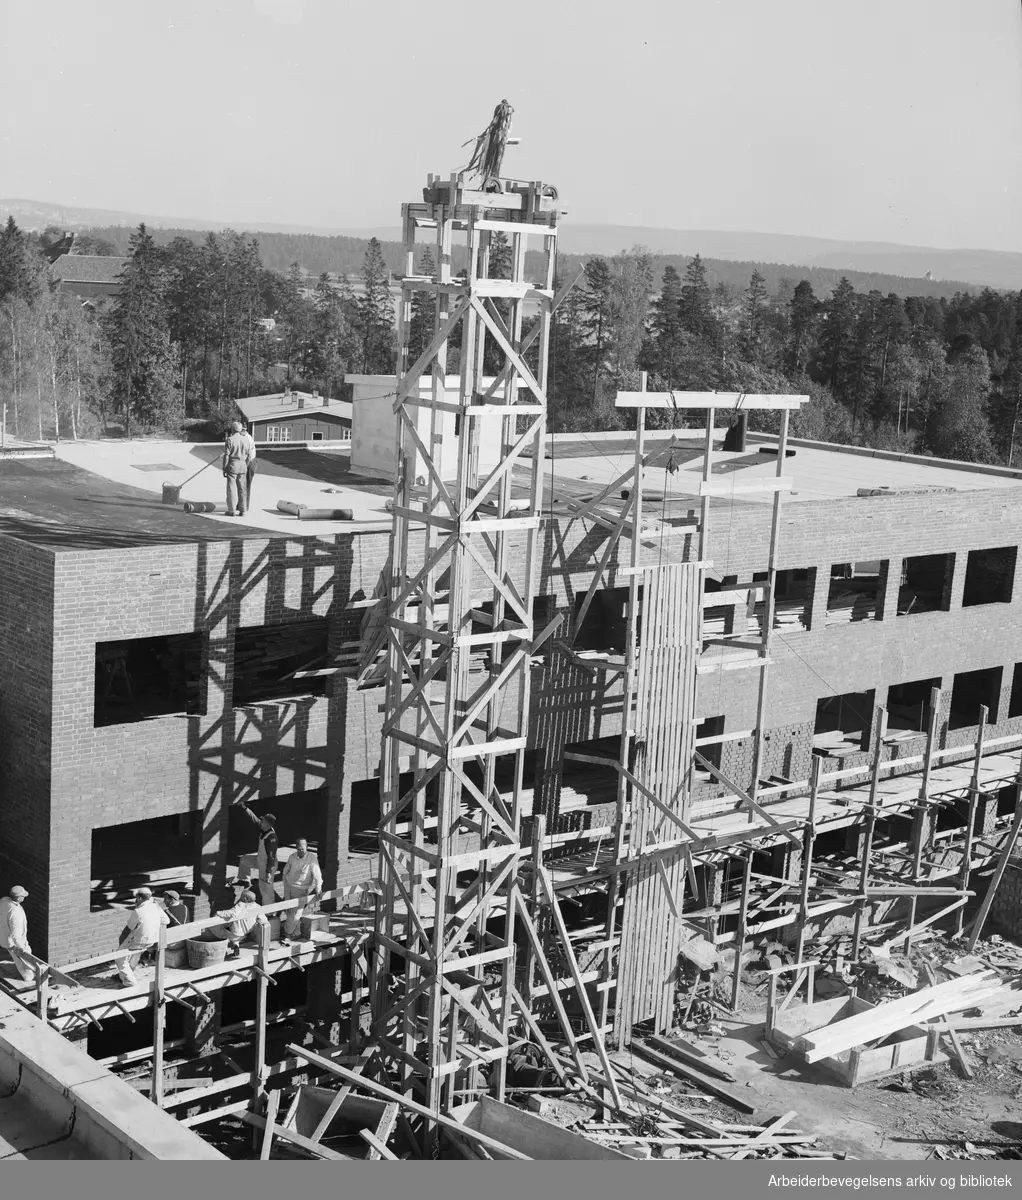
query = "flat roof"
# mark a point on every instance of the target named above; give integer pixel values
(286, 404)
(104, 494)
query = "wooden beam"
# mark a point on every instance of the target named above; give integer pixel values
(272, 1104)
(988, 899)
(381, 1151)
(335, 1104)
(707, 400)
(296, 1139)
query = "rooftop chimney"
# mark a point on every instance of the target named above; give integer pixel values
(301, 400)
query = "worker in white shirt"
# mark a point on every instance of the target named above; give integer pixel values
(14, 932)
(140, 933)
(243, 922)
(302, 877)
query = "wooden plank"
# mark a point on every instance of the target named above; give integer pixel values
(718, 487)
(700, 1062)
(707, 400)
(706, 1082)
(335, 1104)
(1006, 851)
(296, 1139)
(272, 1104)
(378, 1089)
(377, 1148)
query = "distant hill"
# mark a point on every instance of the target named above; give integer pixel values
(730, 256)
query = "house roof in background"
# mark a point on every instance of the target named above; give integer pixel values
(88, 268)
(280, 405)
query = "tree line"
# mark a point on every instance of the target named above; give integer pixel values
(197, 324)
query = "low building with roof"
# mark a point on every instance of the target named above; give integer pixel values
(90, 276)
(290, 416)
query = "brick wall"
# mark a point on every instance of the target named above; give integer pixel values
(26, 671)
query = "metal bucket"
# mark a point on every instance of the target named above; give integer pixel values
(171, 493)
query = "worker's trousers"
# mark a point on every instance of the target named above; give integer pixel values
(267, 892)
(25, 968)
(249, 477)
(291, 915)
(127, 963)
(237, 485)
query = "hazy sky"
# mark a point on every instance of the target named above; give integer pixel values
(894, 120)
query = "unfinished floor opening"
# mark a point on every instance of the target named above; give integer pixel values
(843, 722)
(908, 705)
(281, 662)
(925, 584)
(856, 592)
(970, 691)
(148, 677)
(160, 853)
(989, 576)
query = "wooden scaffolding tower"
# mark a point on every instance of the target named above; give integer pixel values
(464, 549)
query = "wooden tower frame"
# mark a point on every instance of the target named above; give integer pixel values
(464, 549)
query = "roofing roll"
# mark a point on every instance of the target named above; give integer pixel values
(199, 506)
(286, 506)
(325, 514)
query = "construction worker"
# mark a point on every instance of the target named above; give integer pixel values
(302, 877)
(175, 910)
(243, 922)
(239, 450)
(251, 469)
(14, 932)
(140, 933)
(267, 852)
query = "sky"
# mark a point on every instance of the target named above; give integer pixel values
(879, 120)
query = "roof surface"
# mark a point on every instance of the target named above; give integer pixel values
(97, 495)
(88, 268)
(285, 404)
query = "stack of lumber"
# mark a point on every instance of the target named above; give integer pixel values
(267, 659)
(859, 604)
(914, 1009)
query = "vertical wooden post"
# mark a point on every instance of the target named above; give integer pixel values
(538, 836)
(262, 986)
(42, 983)
(354, 1027)
(743, 914)
(879, 730)
(922, 821)
(807, 855)
(159, 1017)
(1002, 864)
(970, 821)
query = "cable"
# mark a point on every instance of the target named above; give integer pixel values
(17, 1083)
(52, 1142)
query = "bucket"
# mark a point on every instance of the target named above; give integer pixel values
(171, 493)
(205, 954)
(177, 955)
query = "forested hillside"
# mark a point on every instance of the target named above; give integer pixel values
(203, 320)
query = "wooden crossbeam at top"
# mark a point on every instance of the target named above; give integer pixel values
(743, 401)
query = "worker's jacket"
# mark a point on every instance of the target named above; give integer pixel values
(143, 925)
(303, 872)
(13, 925)
(242, 919)
(239, 448)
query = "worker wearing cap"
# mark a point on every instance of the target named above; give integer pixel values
(239, 451)
(140, 933)
(176, 912)
(302, 877)
(266, 855)
(14, 931)
(242, 924)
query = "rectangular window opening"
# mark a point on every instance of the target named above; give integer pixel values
(159, 853)
(908, 705)
(793, 600)
(709, 731)
(971, 690)
(279, 662)
(856, 591)
(1015, 703)
(148, 677)
(925, 584)
(317, 435)
(605, 626)
(584, 785)
(844, 723)
(989, 576)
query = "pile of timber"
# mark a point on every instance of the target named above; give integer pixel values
(917, 1008)
(265, 660)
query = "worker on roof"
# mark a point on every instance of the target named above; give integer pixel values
(140, 933)
(242, 924)
(239, 451)
(14, 932)
(266, 854)
(302, 877)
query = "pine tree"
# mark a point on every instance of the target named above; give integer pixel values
(140, 340)
(597, 316)
(753, 318)
(837, 339)
(802, 328)
(667, 327)
(16, 275)
(696, 302)
(375, 314)
(423, 319)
